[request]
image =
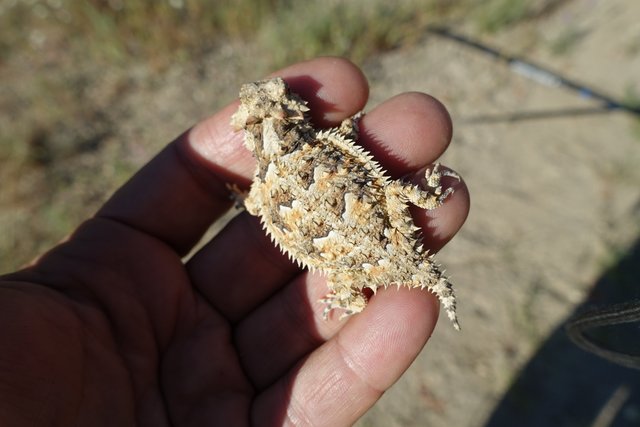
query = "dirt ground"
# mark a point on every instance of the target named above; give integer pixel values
(555, 215)
(554, 180)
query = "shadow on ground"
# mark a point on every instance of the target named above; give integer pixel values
(564, 386)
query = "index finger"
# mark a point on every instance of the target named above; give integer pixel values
(180, 192)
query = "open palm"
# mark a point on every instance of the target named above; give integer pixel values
(113, 328)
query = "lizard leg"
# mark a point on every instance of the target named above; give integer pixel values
(351, 300)
(237, 194)
(349, 126)
(433, 196)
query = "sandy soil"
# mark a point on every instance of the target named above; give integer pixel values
(555, 205)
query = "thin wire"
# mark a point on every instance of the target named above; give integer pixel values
(616, 314)
(537, 73)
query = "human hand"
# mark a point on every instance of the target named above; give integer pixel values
(111, 327)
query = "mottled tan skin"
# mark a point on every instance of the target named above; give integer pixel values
(331, 207)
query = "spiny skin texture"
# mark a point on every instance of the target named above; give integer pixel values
(327, 204)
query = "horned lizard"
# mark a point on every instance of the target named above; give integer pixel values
(331, 207)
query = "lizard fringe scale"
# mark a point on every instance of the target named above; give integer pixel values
(331, 207)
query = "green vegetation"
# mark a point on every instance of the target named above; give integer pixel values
(165, 31)
(161, 32)
(497, 14)
(632, 97)
(566, 41)
(156, 31)
(344, 28)
(632, 100)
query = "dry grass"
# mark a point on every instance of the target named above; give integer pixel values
(115, 30)
(165, 31)
(65, 63)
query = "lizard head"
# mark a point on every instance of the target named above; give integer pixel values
(265, 106)
(264, 99)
